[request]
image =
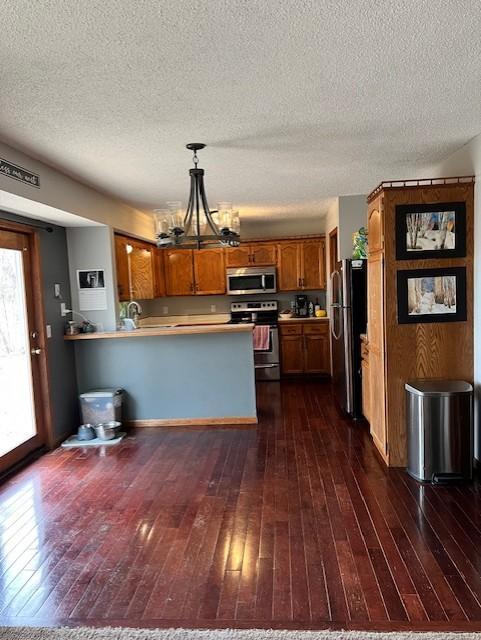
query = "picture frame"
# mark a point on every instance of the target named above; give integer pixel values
(431, 295)
(431, 231)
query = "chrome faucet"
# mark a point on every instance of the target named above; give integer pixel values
(133, 312)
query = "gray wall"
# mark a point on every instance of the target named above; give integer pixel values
(191, 376)
(352, 216)
(92, 248)
(61, 361)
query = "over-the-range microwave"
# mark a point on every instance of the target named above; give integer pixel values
(250, 280)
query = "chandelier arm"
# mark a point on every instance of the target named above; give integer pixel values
(197, 211)
(205, 204)
(190, 207)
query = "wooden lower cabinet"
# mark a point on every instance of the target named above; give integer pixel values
(305, 348)
(366, 389)
(292, 354)
(316, 353)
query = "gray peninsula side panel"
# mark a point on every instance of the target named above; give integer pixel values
(173, 377)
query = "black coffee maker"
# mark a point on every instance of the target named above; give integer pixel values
(302, 310)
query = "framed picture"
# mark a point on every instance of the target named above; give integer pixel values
(431, 231)
(431, 295)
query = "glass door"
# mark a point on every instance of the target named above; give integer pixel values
(21, 429)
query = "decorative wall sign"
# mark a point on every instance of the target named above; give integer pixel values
(431, 295)
(431, 231)
(19, 173)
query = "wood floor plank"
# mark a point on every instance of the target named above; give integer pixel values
(294, 523)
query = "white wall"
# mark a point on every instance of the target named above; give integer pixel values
(63, 193)
(252, 228)
(467, 161)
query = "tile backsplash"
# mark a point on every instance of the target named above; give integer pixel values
(193, 305)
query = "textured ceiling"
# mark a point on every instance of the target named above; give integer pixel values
(298, 101)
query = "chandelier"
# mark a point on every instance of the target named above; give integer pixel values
(199, 227)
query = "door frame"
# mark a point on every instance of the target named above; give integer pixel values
(43, 405)
(333, 255)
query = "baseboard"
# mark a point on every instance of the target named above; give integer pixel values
(192, 422)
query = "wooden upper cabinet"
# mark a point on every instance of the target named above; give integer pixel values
(136, 268)
(251, 255)
(159, 273)
(313, 265)
(179, 272)
(238, 256)
(122, 266)
(209, 271)
(302, 265)
(375, 227)
(288, 263)
(263, 254)
(142, 270)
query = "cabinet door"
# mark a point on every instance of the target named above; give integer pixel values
(288, 262)
(366, 392)
(142, 271)
(292, 354)
(122, 267)
(238, 256)
(159, 273)
(263, 254)
(209, 271)
(313, 265)
(179, 272)
(377, 381)
(316, 353)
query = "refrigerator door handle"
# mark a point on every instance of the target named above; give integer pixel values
(336, 309)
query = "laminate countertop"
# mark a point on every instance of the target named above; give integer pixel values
(284, 320)
(165, 330)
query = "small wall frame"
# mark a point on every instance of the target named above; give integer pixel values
(431, 295)
(431, 231)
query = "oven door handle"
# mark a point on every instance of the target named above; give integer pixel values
(265, 366)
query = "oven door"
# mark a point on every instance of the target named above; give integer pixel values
(247, 281)
(266, 363)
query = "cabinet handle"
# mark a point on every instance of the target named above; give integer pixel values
(300, 283)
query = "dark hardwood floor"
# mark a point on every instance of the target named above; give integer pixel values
(294, 523)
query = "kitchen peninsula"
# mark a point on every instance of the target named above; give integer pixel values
(174, 375)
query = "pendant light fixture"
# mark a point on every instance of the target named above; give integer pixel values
(199, 227)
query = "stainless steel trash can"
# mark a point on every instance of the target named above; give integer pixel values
(439, 430)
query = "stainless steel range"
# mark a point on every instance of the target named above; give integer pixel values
(261, 312)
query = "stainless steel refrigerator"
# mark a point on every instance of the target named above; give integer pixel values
(348, 320)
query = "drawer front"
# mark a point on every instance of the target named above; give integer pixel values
(291, 329)
(315, 328)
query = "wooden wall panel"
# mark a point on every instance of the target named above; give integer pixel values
(438, 350)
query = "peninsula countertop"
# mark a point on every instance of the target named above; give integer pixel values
(165, 330)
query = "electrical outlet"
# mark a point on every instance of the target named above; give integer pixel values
(64, 310)
(165, 310)
(56, 290)
(213, 308)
